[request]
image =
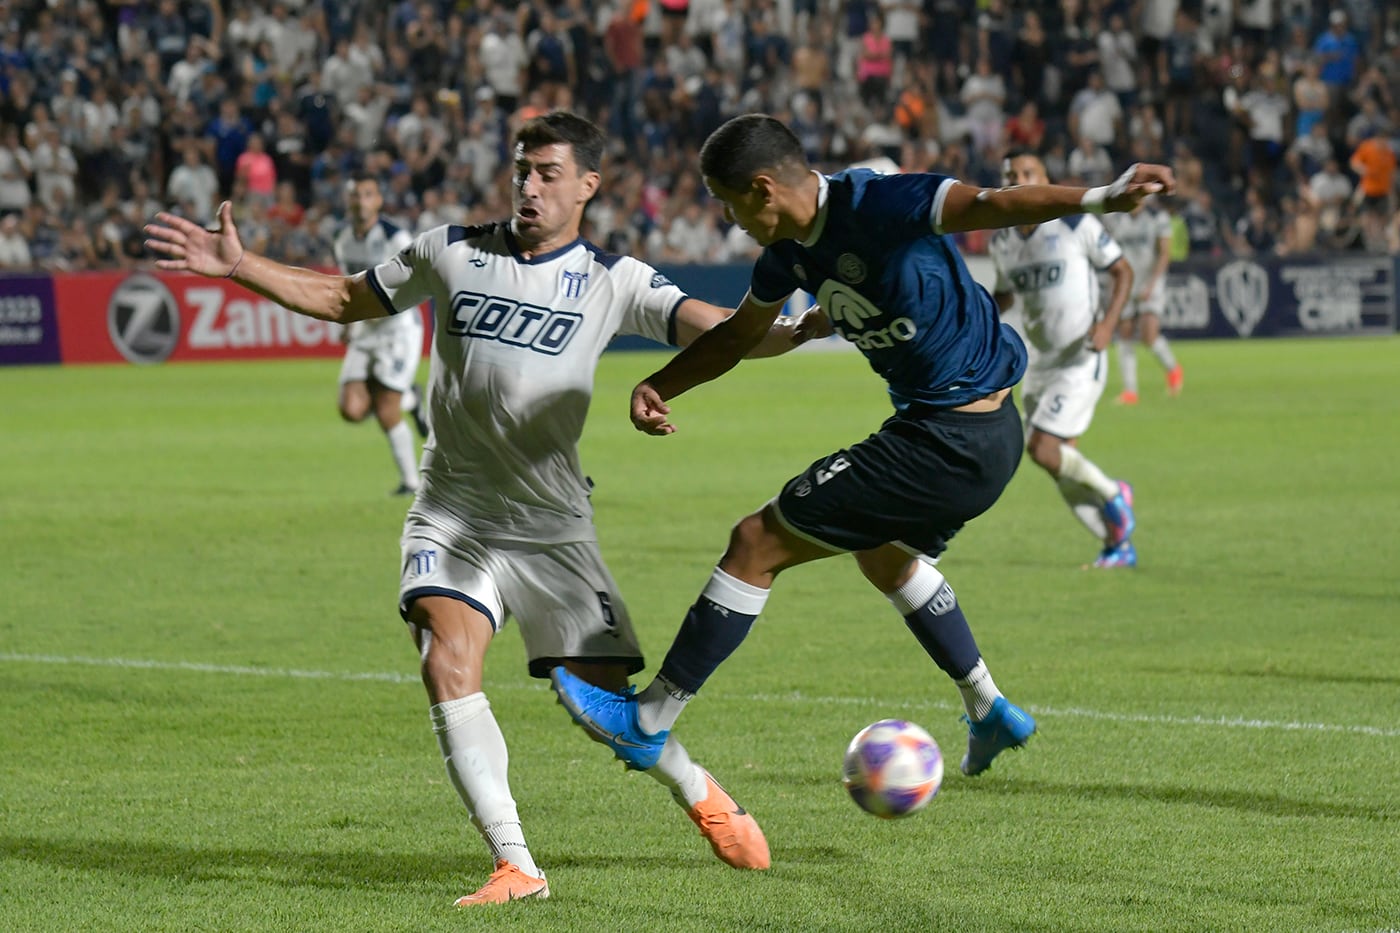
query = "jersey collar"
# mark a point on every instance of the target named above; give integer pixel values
(819, 225)
(542, 257)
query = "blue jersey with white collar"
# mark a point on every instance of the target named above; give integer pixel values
(897, 288)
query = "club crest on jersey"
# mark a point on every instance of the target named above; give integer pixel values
(800, 272)
(1052, 240)
(574, 284)
(851, 268)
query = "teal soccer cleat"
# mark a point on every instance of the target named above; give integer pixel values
(1118, 515)
(609, 717)
(1006, 726)
(1124, 555)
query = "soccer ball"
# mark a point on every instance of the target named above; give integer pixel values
(892, 768)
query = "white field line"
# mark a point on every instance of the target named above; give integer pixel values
(1223, 722)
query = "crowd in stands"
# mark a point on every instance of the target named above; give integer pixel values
(1281, 117)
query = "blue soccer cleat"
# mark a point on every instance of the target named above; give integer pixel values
(1118, 515)
(609, 717)
(1124, 555)
(1006, 726)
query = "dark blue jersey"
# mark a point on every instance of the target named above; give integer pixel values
(898, 290)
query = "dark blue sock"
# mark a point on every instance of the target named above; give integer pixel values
(709, 634)
(945, 635)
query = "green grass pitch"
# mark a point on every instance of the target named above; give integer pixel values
(212, 720)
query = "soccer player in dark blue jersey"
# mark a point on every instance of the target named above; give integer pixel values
(875, 252)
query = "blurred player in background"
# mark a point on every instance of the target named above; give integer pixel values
(381, 355)
(872, 249)
(1145, 234)
(1053, 269)
(503, 523)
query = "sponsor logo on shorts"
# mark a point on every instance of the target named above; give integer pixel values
(609, 619)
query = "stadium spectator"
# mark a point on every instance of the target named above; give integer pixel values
(16, 172)
(1089, 164)
(255, 168)
(1373, 161)
(875, 62)
(1095, 113)
(983, 95)
(14, 248)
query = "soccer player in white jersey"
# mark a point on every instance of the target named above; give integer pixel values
(1145, 234)
(503, 523)
(1052, 268)
(381, 355)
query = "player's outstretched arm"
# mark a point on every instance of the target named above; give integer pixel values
(711, 354)
(694, 317)
(219, 253)
(967, 207)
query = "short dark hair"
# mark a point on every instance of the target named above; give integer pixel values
(747, 146)
(560, 126)
(361, 176)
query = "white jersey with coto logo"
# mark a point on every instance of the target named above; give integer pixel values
(1053, 272)
(356, 254)
(1139, 234)
(515, 345)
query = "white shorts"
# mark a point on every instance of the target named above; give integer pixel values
(1060, 400)
(562, 595)
(1156, 302)
(389, 359)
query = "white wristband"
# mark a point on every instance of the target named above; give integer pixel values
(1093, 199)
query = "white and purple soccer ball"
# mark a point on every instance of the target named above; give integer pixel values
(892, 768)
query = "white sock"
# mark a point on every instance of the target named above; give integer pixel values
(678, 774)
(474, 751)
(1163, 351)
(405, 457)
(921, 586)
(1077, 468)
(409, 399)
(1127, 363)
(661, 704)
(978, 692)
(1086, 505)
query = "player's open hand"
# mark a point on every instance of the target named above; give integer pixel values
(1138, 183)
(191, 248)
(649, 411)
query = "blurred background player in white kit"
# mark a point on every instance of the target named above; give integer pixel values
(1145, 234)
(503, 526)
(1053, 269)
(381, 355)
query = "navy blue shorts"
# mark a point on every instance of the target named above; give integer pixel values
(915, 483)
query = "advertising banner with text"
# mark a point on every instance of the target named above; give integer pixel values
(140, 317)
(1282, 297)
(28, 320)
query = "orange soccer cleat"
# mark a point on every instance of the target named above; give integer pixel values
(731, 831)
(1175, 378)
(507, 883)
(1127, 398)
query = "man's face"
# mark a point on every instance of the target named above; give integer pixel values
(1024, 170)
(753, 210)
(549, 191)
(363, 199)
